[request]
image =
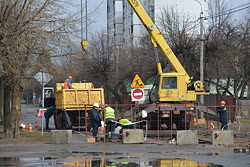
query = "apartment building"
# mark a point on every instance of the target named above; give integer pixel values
(125, 29)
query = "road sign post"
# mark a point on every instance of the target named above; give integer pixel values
(137, 89)
(137, 82)
(43, 78)
(137, 94)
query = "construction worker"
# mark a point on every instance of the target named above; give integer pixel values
(222, 110)
(95, 119)
(110, 122)
(124, 123)
(67, 83)
(48, 113)
(111, 163)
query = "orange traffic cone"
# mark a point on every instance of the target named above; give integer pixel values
(30, 128)
(23, 126)
(211, 125)
(36, 127)
(195, 123)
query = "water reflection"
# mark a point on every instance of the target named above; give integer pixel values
(22, 161)
(241, 150)
(99, 161)
(155, 163)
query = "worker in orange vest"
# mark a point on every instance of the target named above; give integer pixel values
(67, 83)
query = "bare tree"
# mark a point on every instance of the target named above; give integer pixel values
(182, 38)
(114, 67)
(242, 59)
(30, 32)
(225, 42)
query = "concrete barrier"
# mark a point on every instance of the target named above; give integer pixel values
(186, 137)
(61, 136)
(225, 137)
(134, 136)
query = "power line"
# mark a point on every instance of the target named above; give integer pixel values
(230, 12)
(239, 6)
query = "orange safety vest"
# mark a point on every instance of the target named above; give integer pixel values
(66, 84)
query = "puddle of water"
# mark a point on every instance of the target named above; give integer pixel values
(241, 150)
(98, 162)
(24, 161)
(102, 159)
(208, 154)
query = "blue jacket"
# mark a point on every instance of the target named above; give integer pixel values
(95, 119)
(223, 113)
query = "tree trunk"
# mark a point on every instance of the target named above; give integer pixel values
(117, 97)
(1, 101)
(243, 89)
(15, 113)
(6, 109)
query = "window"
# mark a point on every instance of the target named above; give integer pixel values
(169, 83)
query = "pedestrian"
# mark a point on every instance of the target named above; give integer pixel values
(95, 120)
(110, 122)
(48, 113)
(124, 123)
(67, 83)
(222, 110)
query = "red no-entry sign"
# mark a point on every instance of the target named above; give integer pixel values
(137, 94)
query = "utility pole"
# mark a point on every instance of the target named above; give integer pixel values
(201, 55)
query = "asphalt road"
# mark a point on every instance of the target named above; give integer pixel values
(100, 154)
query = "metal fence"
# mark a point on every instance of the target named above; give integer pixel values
(162, 122)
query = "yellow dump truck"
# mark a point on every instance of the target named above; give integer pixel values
(73, 104)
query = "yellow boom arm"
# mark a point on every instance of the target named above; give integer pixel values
(156, 37)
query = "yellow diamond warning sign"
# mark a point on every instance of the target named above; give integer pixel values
(137, 82)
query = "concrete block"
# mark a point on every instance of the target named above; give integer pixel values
(61, 136)
(225, 137)
(186, 137)
(135, 136)
(91, 139)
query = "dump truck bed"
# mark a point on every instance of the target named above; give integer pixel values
(78, 98)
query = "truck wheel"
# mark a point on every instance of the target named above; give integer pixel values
(59, 119)
(66, 120)
(169, 125)
(152, 121)
(181, 121)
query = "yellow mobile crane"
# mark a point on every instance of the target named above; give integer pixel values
(175, 87)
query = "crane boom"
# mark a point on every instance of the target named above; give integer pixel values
(156, 37)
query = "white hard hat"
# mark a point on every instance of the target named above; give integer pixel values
(96, 105)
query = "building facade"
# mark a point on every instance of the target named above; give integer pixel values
(125, 28)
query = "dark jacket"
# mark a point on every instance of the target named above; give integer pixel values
(95, 119)
(223, 113)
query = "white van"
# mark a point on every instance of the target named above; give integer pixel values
(147, 89)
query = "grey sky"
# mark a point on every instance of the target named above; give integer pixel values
(100, 15)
